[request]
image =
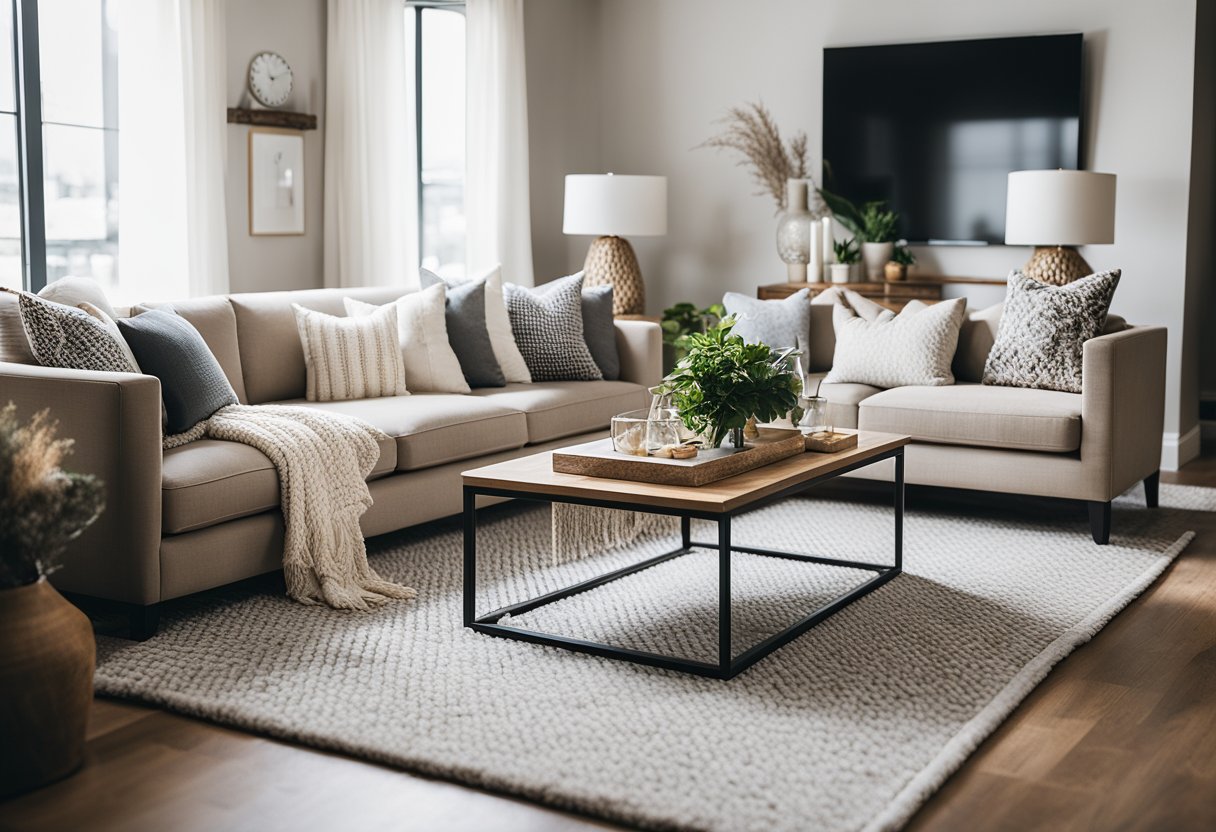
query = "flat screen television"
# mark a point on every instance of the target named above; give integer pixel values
(935, 128)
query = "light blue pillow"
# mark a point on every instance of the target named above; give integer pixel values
(778, 323)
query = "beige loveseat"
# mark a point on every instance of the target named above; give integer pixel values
(206, 514)
(1090, 446)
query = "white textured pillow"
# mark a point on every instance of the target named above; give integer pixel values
(73, 291)
(351, 358)
(498, 324)
(422, 336)
(914, 347)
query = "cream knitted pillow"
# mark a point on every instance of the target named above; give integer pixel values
(914, 347)
(351, 358)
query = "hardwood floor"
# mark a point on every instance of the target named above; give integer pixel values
(1121, 735)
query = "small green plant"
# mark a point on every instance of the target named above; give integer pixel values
(42, 507)
(878, 224)
(903, 255)
(723, 382)
(683, 319)
(847, 251)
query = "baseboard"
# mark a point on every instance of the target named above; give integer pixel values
(1179, 449)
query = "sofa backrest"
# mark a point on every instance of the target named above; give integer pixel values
(272, 361)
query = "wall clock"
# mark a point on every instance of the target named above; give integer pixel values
(269, 79)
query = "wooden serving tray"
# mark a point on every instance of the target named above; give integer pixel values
(598, 459)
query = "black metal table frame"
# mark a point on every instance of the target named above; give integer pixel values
(727, 665)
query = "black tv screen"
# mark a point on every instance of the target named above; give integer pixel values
(935, 128)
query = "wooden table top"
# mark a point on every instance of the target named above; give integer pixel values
(535, 475)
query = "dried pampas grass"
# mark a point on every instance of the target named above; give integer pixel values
(751, 131)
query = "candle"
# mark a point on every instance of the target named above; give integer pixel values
(827, 240)
(815, 272)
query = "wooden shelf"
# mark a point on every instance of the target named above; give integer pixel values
(272, 118)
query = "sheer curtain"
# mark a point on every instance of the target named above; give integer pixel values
(497, 203)
(371, 179)
(172, 150)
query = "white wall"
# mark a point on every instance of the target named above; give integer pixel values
(296, 30)
(669, 68)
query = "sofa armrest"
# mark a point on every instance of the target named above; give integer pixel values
(1122, 407)
(114, 419)
(640, 344)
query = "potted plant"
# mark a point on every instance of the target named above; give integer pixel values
(872, 224)
(901, 259)
(682, 320)
(847, 252)
(723, 382)
(46, 644)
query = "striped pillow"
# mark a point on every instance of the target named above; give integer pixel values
(351, 358)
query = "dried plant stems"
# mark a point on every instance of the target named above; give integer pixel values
(751, 131)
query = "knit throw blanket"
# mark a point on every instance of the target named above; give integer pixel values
(323, 460)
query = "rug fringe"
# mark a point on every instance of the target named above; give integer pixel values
(579, 531)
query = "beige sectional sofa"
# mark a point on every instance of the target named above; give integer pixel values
(1090, 446)
(206, 514)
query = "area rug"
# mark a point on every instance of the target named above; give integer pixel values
(851, 726)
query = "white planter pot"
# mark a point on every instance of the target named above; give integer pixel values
(840, 272)
(876, 256)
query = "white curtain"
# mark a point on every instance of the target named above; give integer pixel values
(497, 203)
(173, 233)
(371, 180)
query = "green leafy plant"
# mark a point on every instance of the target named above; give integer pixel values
(723, 382)
(870, 223)
(683, 319)
(42, 507)
(847, 251)
(903, 255)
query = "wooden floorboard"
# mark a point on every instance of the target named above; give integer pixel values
(1120, 736)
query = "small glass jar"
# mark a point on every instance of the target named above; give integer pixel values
(814, 414)
(637, 433)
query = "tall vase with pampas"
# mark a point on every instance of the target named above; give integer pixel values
(46, 644)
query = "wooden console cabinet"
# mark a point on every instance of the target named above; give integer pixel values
(893, 295)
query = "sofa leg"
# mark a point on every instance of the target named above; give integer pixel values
(1099, 521)
(1152, 485)
(144, 621)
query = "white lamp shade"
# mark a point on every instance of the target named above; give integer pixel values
(618, 206)
(1060, 207)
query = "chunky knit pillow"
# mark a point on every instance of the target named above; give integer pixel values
(351, 358)
(61, 336)
(548, 326)
(1043, 330)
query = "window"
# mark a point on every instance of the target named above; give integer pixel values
(435, 41)
(59, 141)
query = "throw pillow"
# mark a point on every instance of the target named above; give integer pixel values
(498, 325)
(351, 358)
(192, 384)
(778, 323)
(465, 317)
(548, 326)
(111, 327)
(62, 336)
(914, 347)
(422, 337)
(1040, 341)
(73, 291)
(599, 330)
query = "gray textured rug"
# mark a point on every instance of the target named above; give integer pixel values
(852, 726)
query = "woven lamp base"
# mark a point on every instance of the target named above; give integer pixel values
(611, 261)
(1056, 265)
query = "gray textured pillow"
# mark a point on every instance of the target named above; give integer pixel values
(778, 323)
(914, 347)
(465, 314)
(1040, 342)
(61, 336)
(548, 325)
(192, 383)
(599, 330)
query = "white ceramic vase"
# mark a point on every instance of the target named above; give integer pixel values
(875, 256)
(840, 272)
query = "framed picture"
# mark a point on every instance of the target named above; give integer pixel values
(276, 181)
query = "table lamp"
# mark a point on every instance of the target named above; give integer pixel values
(614, 207)
(1054, 210)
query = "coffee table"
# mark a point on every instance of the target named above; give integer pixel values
(532, 478)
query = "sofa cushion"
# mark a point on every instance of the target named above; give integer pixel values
(209, 481)
(434, 428)
(842, 399)
(972, 414)
(272, 360)
(555, 409)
